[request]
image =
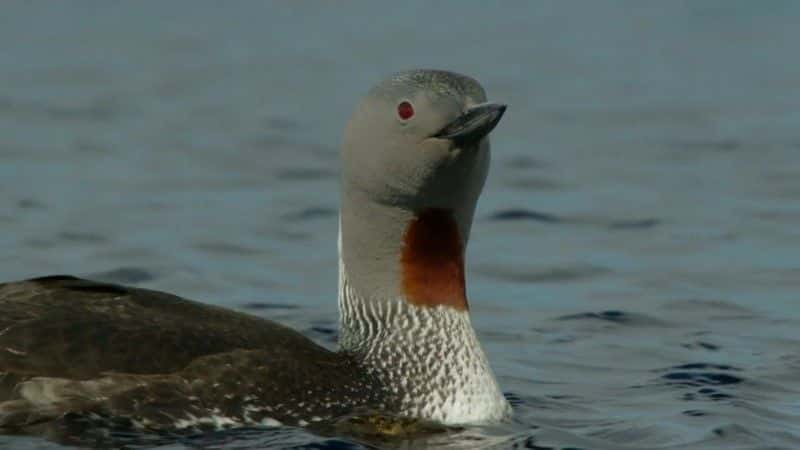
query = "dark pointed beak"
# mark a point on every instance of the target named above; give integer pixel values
(474, 124)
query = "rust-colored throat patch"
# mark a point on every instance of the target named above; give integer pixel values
(432, 261)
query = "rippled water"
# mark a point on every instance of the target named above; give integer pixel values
(634, 268)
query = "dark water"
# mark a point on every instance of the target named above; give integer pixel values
(634, 269)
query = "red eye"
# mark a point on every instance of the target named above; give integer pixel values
(405, 110)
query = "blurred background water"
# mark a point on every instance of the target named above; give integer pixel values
(634, 268)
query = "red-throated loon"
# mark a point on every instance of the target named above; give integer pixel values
(415, 157)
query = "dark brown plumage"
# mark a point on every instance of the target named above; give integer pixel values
(158, 361)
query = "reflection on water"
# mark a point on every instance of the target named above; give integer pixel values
(634, 265)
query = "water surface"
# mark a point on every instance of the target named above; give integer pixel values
(634, 267)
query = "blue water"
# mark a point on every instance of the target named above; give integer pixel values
(634, 268)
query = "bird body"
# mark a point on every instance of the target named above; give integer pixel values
(415, 157)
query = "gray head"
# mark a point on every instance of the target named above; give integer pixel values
(418, 140)
(416, 147)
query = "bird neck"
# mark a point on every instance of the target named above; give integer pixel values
(404, 313)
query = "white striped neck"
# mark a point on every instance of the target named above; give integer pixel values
(428, 357)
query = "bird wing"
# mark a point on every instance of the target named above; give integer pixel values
(72, 328)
